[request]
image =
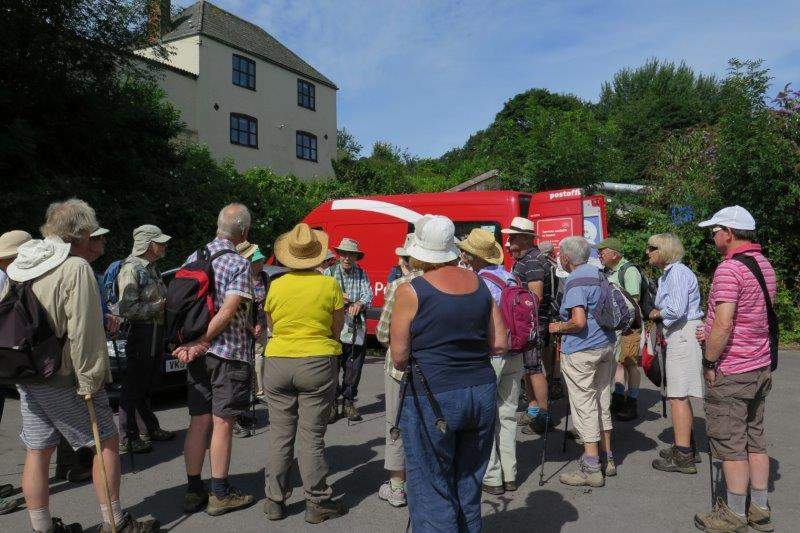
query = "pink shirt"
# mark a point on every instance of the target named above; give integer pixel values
(748, 345)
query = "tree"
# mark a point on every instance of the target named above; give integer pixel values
(346, 145)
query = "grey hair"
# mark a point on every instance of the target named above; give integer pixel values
(233, 221)
(546, 247)
(576, 250)
(69, 220)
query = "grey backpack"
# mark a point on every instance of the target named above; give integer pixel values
(614, 311)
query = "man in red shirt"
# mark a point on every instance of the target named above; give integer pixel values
(737, 372)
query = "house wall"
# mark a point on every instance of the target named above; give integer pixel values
(183, 54)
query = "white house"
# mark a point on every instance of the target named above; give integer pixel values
(243, 93)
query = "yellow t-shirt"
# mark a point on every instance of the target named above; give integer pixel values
(301, 305)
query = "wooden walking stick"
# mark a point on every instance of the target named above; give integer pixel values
(99, 449)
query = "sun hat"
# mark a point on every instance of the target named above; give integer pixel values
(402, 251)
(521, 226)
(481, 243)
(611, 243)
(144, 235)
(37, 257)
(433, 240)
(11, 240)
(246, 249)
(98, 232)
(349, 245)
(302, 247)
(734, 217)
(329, 255)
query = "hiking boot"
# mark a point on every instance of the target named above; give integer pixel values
(525, 419)
(493, 490)
(334, 414)
(129, 525)
(395, 497)
(760, 519)
(583, 476)
(510, 486)
(675, 461)
(76, 474)
(61, 527)
(617, 402)
(316, 513)
(274, 510)
(234, 501)
(629, 411)
(574, 435)
(665, 452)
(135, 446)
(8, 504)
(6, 490)
(721, 520)
(161, 435)
(541, 422)
(194, 501)
(351, 413)
(609, 467)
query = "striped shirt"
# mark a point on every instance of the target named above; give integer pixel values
(748, 345)
(678, 296)
(532, 266)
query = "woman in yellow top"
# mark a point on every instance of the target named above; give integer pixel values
(306, 310)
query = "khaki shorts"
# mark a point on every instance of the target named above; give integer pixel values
(735, 414)
(626, 350)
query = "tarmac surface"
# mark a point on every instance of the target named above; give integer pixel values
(638, 499)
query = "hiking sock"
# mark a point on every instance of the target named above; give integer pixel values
(220, 487)
(619, 388)
(114, 513)
(196, 484)
(397, 485)
(685, 450)
(737, 503)
(533, 411)
(593, 461)
(41, 519)
(759, 498)
(633, 393)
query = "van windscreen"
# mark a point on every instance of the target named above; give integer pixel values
(524, 205)
(463, 227)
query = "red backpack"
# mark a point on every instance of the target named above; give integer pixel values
(520, 309)
(190, 299)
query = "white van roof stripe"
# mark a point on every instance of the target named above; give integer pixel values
(376, 206)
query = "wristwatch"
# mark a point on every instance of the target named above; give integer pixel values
(709, 365)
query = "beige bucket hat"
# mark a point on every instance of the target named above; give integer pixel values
(10, 241)
(520, 225)
(37, 257)
(482, 243)
(350, 246)
(302, 247)
(144, 235)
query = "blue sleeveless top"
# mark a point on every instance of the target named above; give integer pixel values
(450, 338)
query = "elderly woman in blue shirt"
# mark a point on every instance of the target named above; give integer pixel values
(677, 306)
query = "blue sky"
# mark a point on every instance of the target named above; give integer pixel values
(425, 75)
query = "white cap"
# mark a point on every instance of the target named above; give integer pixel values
(98, 232)
(433, 240)
(734, 217)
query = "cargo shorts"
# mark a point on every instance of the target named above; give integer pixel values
(218, 386)
(735, 414)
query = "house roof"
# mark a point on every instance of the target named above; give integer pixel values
(204, 18)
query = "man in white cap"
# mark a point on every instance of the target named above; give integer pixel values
(740, 353)
(357, 296)
(142, 296)
(533, 269)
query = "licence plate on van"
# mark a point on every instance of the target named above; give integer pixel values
(173, 365)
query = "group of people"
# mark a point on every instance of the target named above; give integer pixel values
(452, 378)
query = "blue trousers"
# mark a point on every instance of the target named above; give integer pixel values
(444, 471)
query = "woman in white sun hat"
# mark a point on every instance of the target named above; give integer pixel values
(449, 318)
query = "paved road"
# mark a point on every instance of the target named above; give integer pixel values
(639, 499)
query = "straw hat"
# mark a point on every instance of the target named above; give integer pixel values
(482, 243)
(521, 226)
(10, 241)
(433, 240)
(302, 247)
(349, 245)
(402, 251)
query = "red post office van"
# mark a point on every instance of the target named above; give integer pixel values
(380, 223)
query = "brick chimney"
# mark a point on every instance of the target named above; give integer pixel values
(159, 19)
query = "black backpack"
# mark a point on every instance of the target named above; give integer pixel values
(647, 289)
(28, 345)
(190, 299)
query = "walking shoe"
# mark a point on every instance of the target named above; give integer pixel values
(9, 504)
(510, 486)
(161, 435)
(721, 520)
(574, 435)
(6, 490)
(493, 490)
(395, 497)
(760, 519)
(525, 419)
(629, 411)
(61, 527)
(135, 446)
(76, 474)
(274, 510)
(583, 476)
(540, 423)
(234, 501)
(129, 525)
(665, 452)
(675, 462)
(351, 413)
(617, 402)
(194, 501)
(609, 467)
(316, 513)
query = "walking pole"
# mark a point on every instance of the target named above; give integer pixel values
(544, 451)
(98, 448)
(566, 425)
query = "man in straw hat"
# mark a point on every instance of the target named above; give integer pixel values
(67, 289)
(533, 269)
(358, 296)
(484, 255)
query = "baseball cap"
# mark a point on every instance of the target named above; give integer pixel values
(98, 232)
(734, 217)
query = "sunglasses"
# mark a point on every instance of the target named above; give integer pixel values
(716, 229)
(652, 249)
